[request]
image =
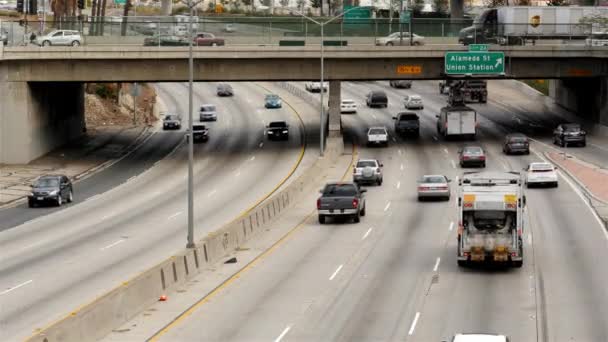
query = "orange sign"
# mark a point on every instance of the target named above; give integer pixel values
(409, 69)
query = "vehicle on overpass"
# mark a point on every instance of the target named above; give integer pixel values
(434, 187)
(348, 106)
(208, 39)
(277, 130)
(368, 171)
(478, 338)
(569, 134)
(172, 121)
(490, 218)
(407, 123)
(51, 189)
(400, 39)
(407, 84)
(200, 133)
(60, 38)
(540, 173)
(444, 87)
(516, 143)
(208, 112)
(341, 200)
(3, 36)
(272, 101)
(457, 121)
(224, 89)
(376, 98)
(472, 156)
(377, 136)
(165, 40)
(413, 102)
(514, 25)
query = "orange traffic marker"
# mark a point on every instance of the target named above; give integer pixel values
(162, 298)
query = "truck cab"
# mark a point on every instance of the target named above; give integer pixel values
(491, 218)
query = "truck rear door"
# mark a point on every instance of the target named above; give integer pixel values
(467, 122)
(454, 123)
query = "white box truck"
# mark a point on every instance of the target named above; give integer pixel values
(454, 121)
(516, 24)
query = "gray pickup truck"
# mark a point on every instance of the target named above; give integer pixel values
(407, 123)
(341, 199)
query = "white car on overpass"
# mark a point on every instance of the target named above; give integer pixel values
(315, 87)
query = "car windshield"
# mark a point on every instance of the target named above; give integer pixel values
(572, 127)
(272, 97)
(339, 190)
(377, 131)
(473, 150)
(541, 167)
(207, 108)
(518, 139)
(198, 127)
(407, 117)
(47, 182)
(171, 117)
(366, 163)
(433, 179)
(415, 97)
(277, 124)
(348, 102)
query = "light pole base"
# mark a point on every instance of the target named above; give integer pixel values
(190, 245)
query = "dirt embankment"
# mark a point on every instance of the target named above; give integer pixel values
(111, 104)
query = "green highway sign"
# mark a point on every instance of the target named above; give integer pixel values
(120, 2)
(489, 62)
(478, 47)
(405, 17)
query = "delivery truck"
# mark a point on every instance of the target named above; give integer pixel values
(516, 25)
(457, 121)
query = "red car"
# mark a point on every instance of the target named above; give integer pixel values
(207, 39)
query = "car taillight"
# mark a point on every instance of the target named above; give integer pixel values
(318, 203)
(465, 157)
(355, 203)
(482, 157)
(446, 125)
(423, 188)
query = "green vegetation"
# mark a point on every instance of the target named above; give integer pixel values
(540, 85)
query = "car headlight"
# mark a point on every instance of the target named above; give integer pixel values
(53, 193)
(270, 132)
(285, 131)
(470, 36)
(31, 194)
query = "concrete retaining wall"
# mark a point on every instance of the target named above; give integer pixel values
(97, 319)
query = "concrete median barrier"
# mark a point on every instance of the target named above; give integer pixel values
(98, 318)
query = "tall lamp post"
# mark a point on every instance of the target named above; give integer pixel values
(190, 244)
(322, 25)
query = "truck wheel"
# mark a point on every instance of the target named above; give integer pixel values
(484, 100)
(389, 44)
(518, 264)
(31, 204)
(321, 219)
(363, 211)
(357, 218)
(462, 263)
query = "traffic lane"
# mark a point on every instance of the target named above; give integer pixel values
(284, 286)
(140, 251)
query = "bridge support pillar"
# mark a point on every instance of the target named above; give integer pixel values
(335, 123)
(456, 9)
(587, 97)
(37, 117)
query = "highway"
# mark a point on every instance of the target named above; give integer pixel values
(133, 215)
(393, 277)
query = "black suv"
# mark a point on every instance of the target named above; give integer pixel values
(277, 130)
(51, 189)
(407, 123)
(172, 121)
(516, 143)
(377, 99)
(569, 134)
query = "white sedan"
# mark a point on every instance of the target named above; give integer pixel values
(413, 102)
(377, 136)
(538, 174)
(348, 106)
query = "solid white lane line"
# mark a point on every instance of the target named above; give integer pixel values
(283, 334)
(398, 184)
(395, 140)
(451, 226)
(453, 163)
(445, 150)
(112, 245)
(367, 233)
(600, 147)
(15, 287)
(237, 174)
(374, 116)
(211, 193)
(399, 151)
(174, 215)
(436, 265)
(414, 322)
(435, 138)
(388, 205)
(529, 239)
(105, 217)
(336, 272)
(401, 167)
(579, 193)
(261, 144)
(92, 197)
(252, 158)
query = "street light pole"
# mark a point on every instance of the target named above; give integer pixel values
(190, 243)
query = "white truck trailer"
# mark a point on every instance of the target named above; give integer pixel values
(457, 121)
(491, 208)
(515, 25)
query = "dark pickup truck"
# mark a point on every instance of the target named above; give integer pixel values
(407, 123)
(343, 199)
(201, 133)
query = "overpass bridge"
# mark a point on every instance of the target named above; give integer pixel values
(43, 103)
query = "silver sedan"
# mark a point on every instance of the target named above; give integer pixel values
(434, 186)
